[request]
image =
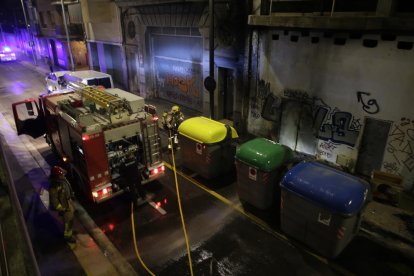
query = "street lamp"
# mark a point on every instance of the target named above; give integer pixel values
(31, 42)
(67, 36)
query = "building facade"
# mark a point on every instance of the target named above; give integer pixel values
(102, 24)
(167, 52)
(49, 33)
(336, 82)
(329, 79)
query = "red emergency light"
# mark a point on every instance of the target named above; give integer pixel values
(102, 193)
(158, 170)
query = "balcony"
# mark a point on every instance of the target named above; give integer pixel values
(74, 30)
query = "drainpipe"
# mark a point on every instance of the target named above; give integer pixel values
(211, 57)
(31, 42)
(333, 7)
(2, 35)
(67, 36)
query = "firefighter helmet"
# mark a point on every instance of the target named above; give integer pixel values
(175, 109)
(58, 171)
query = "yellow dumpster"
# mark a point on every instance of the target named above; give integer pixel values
(208, 147)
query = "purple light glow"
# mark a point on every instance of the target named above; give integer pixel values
(18, 88)
(6, 49)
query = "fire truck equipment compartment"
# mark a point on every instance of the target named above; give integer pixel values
(135, 102)
(321, 206)
(208, 146)
(260, 164)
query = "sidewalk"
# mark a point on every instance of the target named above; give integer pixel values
(391, 226)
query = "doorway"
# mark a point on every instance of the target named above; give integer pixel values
(54, 53)
(372, 147)
(94, 56)
(225, 90)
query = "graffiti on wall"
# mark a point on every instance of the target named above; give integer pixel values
(268, 106)
(329, 124)
(179, 81)
(391, 167)
(184, 84)
(296, 94)
(401, 145)
(370, 106)
(336, 126)
(271, 108)
(257, 101)
(326, 149)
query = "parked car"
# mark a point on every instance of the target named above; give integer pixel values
(7, 54)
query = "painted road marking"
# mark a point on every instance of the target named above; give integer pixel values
(237, 207)
(157, 207)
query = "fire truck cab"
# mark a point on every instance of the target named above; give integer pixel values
(57, 81)
(96, 133)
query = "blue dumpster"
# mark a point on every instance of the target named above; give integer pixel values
(321, 206)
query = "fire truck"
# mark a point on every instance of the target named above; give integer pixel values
(96, 133)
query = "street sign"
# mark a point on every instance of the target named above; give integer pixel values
(210, 83)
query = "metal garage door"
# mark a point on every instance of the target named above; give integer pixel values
(178, 69)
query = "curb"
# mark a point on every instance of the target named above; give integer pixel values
(106, 246)
(393, 244)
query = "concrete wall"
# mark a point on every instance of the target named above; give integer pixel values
(101, 21)
(349, 82)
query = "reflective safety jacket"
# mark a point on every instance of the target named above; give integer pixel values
(60, 193)
(171, 120)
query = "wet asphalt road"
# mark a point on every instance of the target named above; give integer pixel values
(223, 241)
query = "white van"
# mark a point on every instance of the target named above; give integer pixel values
(55, 83)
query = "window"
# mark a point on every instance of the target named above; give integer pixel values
(51, 18)
(42, 20)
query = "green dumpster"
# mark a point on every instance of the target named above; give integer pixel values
(260, 164)
(207, 146)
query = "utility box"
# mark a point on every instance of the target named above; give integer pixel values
(260, 164)
(322, 206)
(208, 147)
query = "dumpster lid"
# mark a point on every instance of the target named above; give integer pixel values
(263, 154)
(205, 130)
(335, 190)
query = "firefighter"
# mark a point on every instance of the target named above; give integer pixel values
(171, 121)
(49, 63)
(129, 169)
(61, 197)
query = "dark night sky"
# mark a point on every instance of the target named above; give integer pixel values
(11, 14)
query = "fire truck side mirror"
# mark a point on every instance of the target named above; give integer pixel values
(29, 107)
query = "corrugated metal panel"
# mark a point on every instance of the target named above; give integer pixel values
(178, 15)
(178, 69)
